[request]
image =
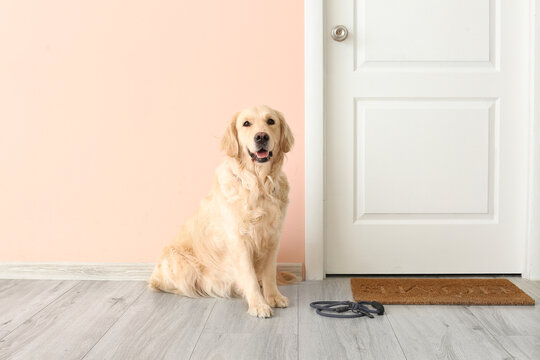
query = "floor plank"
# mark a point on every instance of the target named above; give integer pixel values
(509, 320)
(258, 346)
(443, 332)
(521, 347)
(156, 326)
(231, 333)
(21, 299)
(327, 338)
(73, 323)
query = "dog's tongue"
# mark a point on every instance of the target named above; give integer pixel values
(262, 154)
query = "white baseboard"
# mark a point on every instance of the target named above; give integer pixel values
(95, 271)
(76, 271)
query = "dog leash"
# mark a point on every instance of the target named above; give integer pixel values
(336, 308)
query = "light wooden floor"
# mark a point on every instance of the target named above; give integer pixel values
(42, 319)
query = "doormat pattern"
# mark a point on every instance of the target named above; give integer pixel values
(439, 291)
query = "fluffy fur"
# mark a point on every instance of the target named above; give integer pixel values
(231, 242)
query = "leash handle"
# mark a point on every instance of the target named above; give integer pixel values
(377, 306)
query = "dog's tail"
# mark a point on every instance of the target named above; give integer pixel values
(286, 278)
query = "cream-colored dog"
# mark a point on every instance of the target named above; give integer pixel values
(231, 241)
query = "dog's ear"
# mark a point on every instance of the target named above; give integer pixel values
(229, 142)
(286, 140)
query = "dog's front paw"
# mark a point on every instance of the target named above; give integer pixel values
(260, 310)
(277, 300)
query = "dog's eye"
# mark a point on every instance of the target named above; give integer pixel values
(246, 123)
(270, 122)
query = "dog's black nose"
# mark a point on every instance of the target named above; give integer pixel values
(261, 137)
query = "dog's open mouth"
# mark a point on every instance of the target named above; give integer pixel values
(262, 155)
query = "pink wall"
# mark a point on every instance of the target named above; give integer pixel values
(111, 114)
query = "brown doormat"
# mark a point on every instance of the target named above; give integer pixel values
(439, 291)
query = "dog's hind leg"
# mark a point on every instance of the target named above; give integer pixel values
(175, 273)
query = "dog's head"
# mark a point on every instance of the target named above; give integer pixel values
(259, 134)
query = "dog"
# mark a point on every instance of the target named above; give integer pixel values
(229, 245)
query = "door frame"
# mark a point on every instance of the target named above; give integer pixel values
(315, 143)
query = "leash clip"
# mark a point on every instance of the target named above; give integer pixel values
(378, 306)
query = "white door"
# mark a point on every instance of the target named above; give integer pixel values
(426, 136)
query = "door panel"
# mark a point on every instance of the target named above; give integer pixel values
(425, 30)
(423, 156)
(426, 33)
